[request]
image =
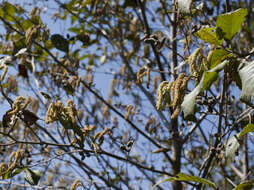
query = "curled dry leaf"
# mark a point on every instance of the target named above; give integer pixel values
(29, 117)
(8, 119)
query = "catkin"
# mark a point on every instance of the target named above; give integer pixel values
(4, 73)
(163, 95)
(192, 60)
(75, 184)
(177, 90)
(128, 111)
(148, 76)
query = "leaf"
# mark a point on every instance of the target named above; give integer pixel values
(232, 146)
(130, 3)
(209, 78)
(32, 176)
(246, 73)
(188, 105)
(21, 52)
(9, 11)
(23, 70)
(7, 118)
(185, 177)
(208, 34)
(45, 95)
(29, 117)
(244, 186)
(6, 60)
(248, 128)
(230, 23)
(184, 5)
(12, 173)
(103, 59)
(60, 42)
(74, 30)
(218, 56)
(68, 89)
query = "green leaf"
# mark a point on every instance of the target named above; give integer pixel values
(244, 185)
(209, 35)
(185, 177)
(248, 128)
(232, 146)
(9, 11)
(32, 176)
(5, 85)
(218, 56)
(12, 173)
(209, 78)
(26, 24)
(188, 105)
(230, 23)
(74, 30)
(60, 42)
(246, 73)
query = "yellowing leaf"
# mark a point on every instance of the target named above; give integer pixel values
(209, 35)
(230, 23)
(218, 56)
(248, 128)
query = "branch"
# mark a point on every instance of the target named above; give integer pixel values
(147, 31)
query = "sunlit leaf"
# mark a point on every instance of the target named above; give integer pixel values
(218, 56)
(188, 105)
(32, 176)
(244, 186)
(246, 73)
(184, 5)
(232, 146)
(12, 173)
(103, 59)
(248, 128)
(6, 60)
(190, 178)
(230, 23)
(5, 85)
(209, 78)
(209, 35)
(21, 51)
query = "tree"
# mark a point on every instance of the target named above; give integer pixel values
(135, 94)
